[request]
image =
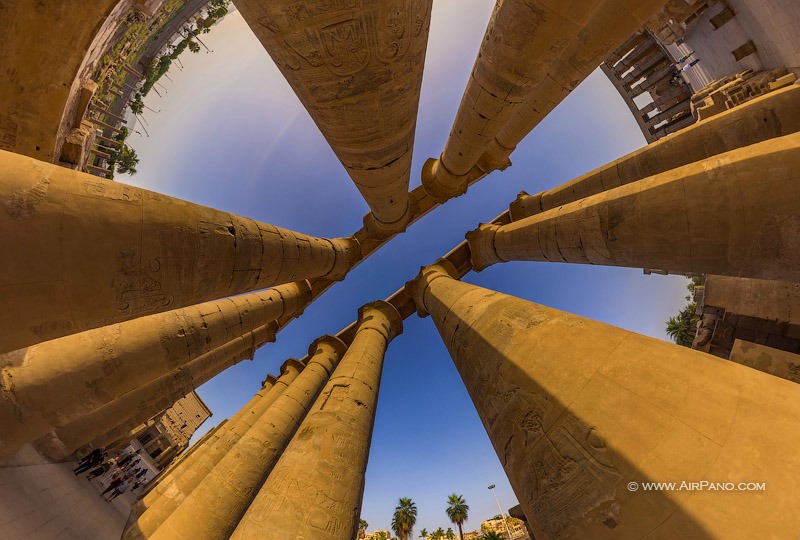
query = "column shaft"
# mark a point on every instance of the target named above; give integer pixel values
(146, 400)
(736, 214)
(362, 90)
(522, 41)
(328, 456)
(224, 494)
(62, 379)
(89, 252)
(577, 410)
(610, 26)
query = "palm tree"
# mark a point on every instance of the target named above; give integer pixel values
(362, 528)
(423, 534)
(450, 535)
(683, 328)
(127, 160)
(404, 519)
(381, 535)
(439, 534)
(457, 511)
(492, 535)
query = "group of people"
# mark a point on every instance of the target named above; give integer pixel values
(116, 474)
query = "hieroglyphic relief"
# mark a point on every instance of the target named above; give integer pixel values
(8, 132)
(137, 289)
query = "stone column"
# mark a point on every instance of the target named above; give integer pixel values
(631, 45)
(610, 26)
(226, 491)
(62, 379)
(89, 252)
(736, 214)
(159, 503)
(518, 49)
(148, 400)
(578, 411)
(357, 69)
(328, 456)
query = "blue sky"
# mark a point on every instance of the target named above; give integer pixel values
(232, 135)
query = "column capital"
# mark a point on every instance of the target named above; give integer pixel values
(415, 289)
(295, 296)
(440, 183)
(525, 206)
(292, 365)
(496, 157)
(481, 246)
(269, 382)
(378, 229)
(381, 316)
(265, 334)
(347, 252)
(326, 351)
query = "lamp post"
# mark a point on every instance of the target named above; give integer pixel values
(502, 515)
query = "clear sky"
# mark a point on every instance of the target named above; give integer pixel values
(232, 135)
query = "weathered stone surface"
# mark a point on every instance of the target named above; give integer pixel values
(773, 361)
(766, 117)
(328, 455)
(62, 379)
(227, 490)
(759, 298)
(357, 68)
(577, 409)
(89, 252)
(147, 400)
(735, 214)
(161, 502)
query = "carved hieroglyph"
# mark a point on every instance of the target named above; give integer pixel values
(577, 410)
(62, 379)
(735, 214)
(315, 489)
(89, 252)
(226, 491)
(356, 65)
(766, 117)
(157, 505)
(144, 402)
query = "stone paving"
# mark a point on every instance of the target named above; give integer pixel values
(40, 500)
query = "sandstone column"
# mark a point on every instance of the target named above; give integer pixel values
(160, 502)
(328, 456)
(226, 491)
(736, 214)
(89, 252)
(357, 69)
(62, 379)
(522, 41)
(610, 26)
(577, 409)
(147, 400)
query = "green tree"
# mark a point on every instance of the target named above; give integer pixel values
(683, 327)
(127, 160)
(450, 535)
(438, 534)
(491, 535)
(136, 104)
(194, 46)
(457, 512)
(362, 528)
(404, 519)
(423, 534)
(381, 535)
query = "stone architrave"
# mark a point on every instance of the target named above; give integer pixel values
(611, 25)
(522, 41)
(357, 68)
(225, 492)
(90, 252)
(157, 505)
(148, 400)
(581, 414)
(735, 214)
(328, 455)
(62, 379)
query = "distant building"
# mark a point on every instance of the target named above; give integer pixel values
(515, 526)
(375, 536)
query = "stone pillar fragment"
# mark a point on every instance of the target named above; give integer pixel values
(610, 26)
(90, 252)
(357, 69)
(766, 117)
(328, 456)
(522, 41)
(59, 380)
(226, 491)
(736, 214)
(148, 400)
(161, 502)
(581, 414)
